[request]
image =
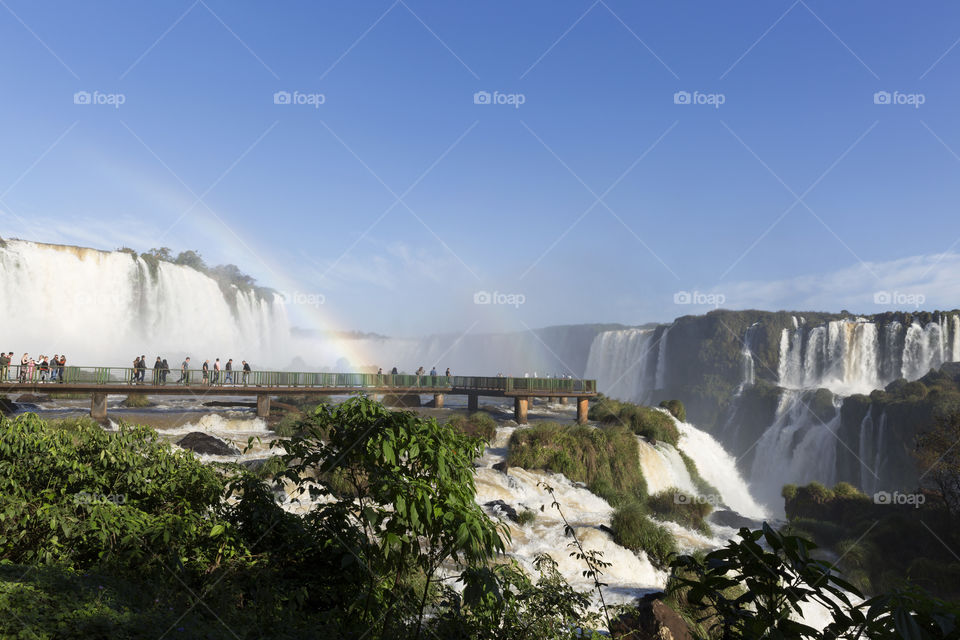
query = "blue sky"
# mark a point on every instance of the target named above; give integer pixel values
(598, 199)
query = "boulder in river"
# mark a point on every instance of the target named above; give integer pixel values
(732, 519)
(501, 507)
(206, 444)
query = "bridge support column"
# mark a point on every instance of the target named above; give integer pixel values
(520, 410)
(438, 401)
(473, 402)
(263, 406)
(98, 406)
(562, 400)
(583, 406)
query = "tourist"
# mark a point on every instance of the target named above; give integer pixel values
(136, 370)
(4, 366)
(157, 371)
(143, 369)
(164, 370)
(216, 371)
(31, 367)
(246, 373)
(448, 372)
(185, 372)
(23, 367)
(433, 371)
(393, 371)
(53, 367)
(61, 365)
(206, 371)
(44, 368)
(228, 377)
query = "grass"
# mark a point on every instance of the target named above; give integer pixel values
(676, 506)
(136, 401)
(652, 424)
(703, 487)
(477, 424)
(525, 517)
(604, 458)
(633, 529)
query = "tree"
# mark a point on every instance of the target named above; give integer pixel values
(163, 253)
(191, 259)
(938, 458)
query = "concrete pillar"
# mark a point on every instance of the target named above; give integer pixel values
(438, 401)
(263, 406)
(473, 402)
(583, 406)
(98, 406)
(520, 410)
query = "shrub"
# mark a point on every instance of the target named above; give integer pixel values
(525, 517)
(605, 458)
(478, 424)
(635, 531)
(676, 506)
(789, 491)
(136, 401)
(676, 409)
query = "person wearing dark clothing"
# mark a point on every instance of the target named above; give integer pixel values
(143, 369)
(157, 371)
(393, 371)
(448, 372)
(246, 372)
(216, 371)
(136, 370)
(228, 376)
(164, 371)
(206, 371)
(61, 365)
(4, 366)
(185, 372)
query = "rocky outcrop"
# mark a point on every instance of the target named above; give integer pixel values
(651, 619)
(207, 445)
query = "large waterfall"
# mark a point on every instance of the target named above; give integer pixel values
(630, 363)
(107, 307)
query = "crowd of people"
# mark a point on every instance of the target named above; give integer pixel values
(215, 374)
(420, 372)
(29, 369)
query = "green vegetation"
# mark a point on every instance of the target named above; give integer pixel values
(676, 409)
(228, 276)
(136, 401)
(676, 506)
(606, 459)
(703, 487)
(633, 529)
(881, 544)
(525, 517)
(652, 424)
(477, 424)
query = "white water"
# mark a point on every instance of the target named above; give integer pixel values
(663, 468)
(620, 362)
(106, 307)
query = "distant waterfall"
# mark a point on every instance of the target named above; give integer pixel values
(857, 356)
(624, 363)
(108, 307)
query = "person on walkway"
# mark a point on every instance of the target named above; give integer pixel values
(24, 361)
(433, 371)
(164, 371)
(157, 370)
(393, 371)
(228, 376)
(246, 372)
(54, 363)
(206, 371)
(185, 371)
(44, 368)
(448, 372)
(61, 365)
(216, 371)
(4, 366)
(143, 369)
(31, 369)
(136, 370)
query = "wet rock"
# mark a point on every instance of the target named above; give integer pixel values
(606, 529)
(206, 444)
(509, 423)
(501, 466)
(501, 507)
(31, 398)
(728, 518)
(651, 620)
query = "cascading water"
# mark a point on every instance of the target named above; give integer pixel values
(620, 363)
(106, 307)
(663, 468)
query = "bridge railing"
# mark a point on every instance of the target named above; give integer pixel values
(16, 374)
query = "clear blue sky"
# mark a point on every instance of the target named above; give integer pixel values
(299, 196)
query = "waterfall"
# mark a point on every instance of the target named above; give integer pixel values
(663, 468)
(107, 307)
(799, 447)
(746, 354)
(661, 371)
(872, 452)
(620, 363)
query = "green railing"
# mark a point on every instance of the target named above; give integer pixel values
(19, 374)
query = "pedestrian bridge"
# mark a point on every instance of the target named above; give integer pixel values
(100, 382)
